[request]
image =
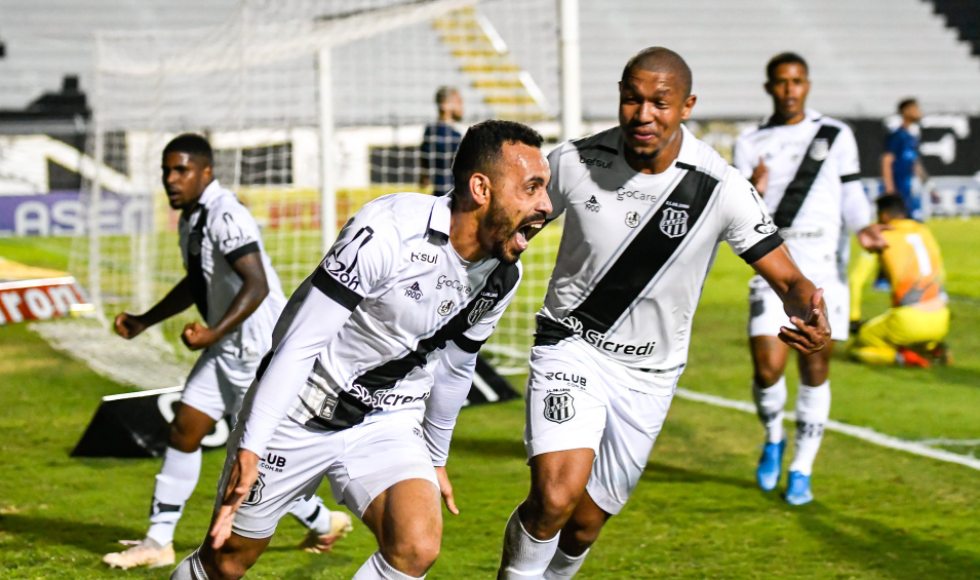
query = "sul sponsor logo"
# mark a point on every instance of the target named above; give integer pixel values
(427, 258)
(595, 162)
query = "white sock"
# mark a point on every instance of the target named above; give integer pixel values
(190, 568)
(524, 557)
(175, 484)
(769, 404)
(376, 568)
(812, 412)
(563, 566)
(312, 514)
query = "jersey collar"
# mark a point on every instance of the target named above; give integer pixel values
(810, 115)
(439, 218)
(212, 191)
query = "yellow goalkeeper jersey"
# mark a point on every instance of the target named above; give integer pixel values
(912, 264)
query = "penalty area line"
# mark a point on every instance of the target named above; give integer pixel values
(863, 433)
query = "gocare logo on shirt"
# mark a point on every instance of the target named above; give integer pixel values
(447, 282)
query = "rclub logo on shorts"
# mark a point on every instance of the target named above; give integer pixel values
(570, 379)
(446, 307)
(674, 222)
(255, 494)
(559, 406)
(273, 462)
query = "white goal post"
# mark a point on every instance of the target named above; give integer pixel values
(313, 107)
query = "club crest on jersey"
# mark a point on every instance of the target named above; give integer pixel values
(446, 307)
(559, 406)
(766, 227)
(819, 149)
(414, 292)
(255, 494)
(674, 222)
(593, 205)
(632, 219)
(479, 309)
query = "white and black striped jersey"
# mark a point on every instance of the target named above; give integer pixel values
(636, 249)
(408, 294)
(814, 187)
(216, 234)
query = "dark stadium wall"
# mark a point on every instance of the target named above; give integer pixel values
(964, 16)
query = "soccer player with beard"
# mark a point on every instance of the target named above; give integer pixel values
(373, 358)
(805, 166)
(231, 281)
(646, 206)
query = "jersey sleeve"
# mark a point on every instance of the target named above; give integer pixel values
(477, 334)
(554, 186)
(234, 231)
(749, 229)
(361, 259)
(848, 165)
(742, 157)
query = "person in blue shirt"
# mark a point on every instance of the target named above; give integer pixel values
(440, 142)
(901, 164)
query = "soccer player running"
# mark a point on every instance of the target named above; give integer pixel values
(646, 205)
(373, 358)
(918, 320)
(231, 280)
(805, 166)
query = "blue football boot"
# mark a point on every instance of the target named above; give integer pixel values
(799, 489)
(770, 465)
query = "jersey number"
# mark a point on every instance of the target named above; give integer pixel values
(921, 254)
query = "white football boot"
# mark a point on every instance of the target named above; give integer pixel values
(146, 553)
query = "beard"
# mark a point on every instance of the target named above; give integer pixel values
(501, 230)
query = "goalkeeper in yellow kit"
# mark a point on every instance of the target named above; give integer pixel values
(918, 320)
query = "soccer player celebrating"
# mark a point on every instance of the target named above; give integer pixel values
(231, 280)
(646, 205)
(805, 166)
(373, 358)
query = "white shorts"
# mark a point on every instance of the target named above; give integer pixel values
(577, 400)
(217, 383)
(360, 463)
(766, 313)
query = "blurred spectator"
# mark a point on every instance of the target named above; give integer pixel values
(440, 142)
(911, 331)
(901, 165)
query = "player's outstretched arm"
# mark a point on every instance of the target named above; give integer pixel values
(802, 301)
(255, 287)
(176, 301)
(452, 378)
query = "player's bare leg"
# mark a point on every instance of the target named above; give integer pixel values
(175, 483)
(558, 482)
(229, 562)
(578, 535)
(769, 356)
(407, 520)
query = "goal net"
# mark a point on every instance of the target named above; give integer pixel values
(313, 107)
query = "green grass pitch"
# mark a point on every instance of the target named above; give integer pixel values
(879, 513)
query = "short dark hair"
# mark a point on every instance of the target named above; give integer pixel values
(444, 92)
(659, 58)
(784, 58)
(891, 204)
(906, 103)
(193, 145)
(480, 149)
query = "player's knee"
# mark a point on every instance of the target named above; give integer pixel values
(183, 439)
(814, 371)
(549, 511)
(768, 372)
(221, 566)
(413, 554)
